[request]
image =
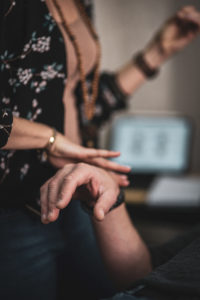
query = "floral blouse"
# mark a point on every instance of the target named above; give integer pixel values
(32, 79)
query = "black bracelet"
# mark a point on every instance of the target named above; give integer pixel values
(89, 208)
(139, 61)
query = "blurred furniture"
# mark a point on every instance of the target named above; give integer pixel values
(156, 146)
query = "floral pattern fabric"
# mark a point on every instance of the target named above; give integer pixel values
(32, 79)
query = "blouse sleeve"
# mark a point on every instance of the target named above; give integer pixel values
(110, 99)
(6, 120)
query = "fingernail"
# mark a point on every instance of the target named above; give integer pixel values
(50, 214)
(126, 181)
(59, 200)
(44, 216)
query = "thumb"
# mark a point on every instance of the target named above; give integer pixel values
(103, 205)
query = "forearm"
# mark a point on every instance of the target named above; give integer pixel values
(123, 250)
(59, 149)
(178, 32)
(130, 77)
(28, 135)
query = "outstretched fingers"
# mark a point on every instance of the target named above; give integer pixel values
(109, 165)
(85, 153)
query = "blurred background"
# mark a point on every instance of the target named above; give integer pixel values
(124, 28)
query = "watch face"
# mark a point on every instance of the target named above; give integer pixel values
(152, 144)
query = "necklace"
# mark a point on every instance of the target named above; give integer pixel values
(89, 100)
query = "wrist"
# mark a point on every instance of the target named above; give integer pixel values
(130, 78)
(154, 56)
(26, 134)
(140, 62)
(50, 145)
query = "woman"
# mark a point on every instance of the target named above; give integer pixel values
(32, 73)
(33, 56)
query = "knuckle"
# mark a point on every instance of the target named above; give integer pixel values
(80, 155)
(68, 166)
(84, 168)
(51, 202)
(52, 184)
(61, 205)
(61, 195)
(68, 178)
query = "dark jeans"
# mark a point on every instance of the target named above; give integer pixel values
(146, 294)
(132, 295)
(50, 262)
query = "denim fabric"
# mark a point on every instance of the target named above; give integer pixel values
(27, 257)
(126, 296)
(38, 262)
(86, 273)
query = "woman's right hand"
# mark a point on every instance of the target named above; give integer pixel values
(175, 34)
(64, 151)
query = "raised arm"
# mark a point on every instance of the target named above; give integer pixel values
(116, 87)
(178, 32)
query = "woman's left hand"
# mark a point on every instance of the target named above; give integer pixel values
(60, 162)
(65, 151)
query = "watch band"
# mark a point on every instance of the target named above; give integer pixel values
(89, 209)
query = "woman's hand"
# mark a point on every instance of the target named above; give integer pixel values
(58, 191)
(64, 152)
(120, 179)
(175, 34)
